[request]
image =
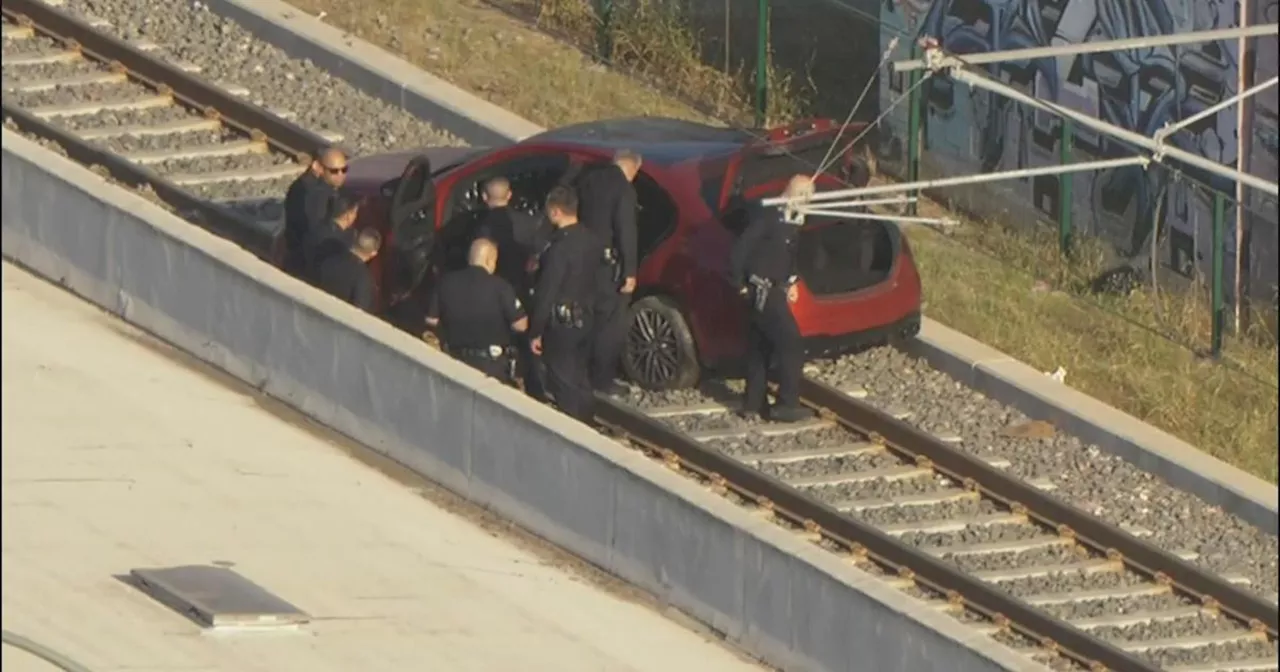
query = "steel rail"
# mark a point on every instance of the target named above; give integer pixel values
(863, 540)
(186, 89)
(216, 219)
(1210, 590)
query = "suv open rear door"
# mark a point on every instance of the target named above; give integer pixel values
(765, 165)
(836, 256)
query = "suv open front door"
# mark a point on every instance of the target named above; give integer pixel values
(411, 234)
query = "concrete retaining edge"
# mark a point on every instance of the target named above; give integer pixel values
(989, 371)
(766, 590)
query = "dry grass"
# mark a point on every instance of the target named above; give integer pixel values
(1007, 289)
(1140, 352)
(551, 76)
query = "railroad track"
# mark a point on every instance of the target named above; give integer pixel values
(994, 551)
(1066, 589)
(153, 126)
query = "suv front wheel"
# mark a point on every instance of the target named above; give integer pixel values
(660, 353)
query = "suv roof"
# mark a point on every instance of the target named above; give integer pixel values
(662, 140)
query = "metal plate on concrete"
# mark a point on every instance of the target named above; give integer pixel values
(216, 597)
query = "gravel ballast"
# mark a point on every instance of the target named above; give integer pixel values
(189, 33)
(1083, 475)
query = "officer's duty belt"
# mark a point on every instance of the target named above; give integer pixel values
(493, 352)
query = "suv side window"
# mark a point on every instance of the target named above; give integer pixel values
(655, 215)
(532, 178)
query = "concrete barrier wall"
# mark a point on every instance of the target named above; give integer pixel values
(793, 605)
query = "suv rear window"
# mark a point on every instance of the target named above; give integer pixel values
(768, 169)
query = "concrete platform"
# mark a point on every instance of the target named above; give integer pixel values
(116, 457)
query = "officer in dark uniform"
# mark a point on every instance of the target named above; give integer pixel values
(343, 268)
(308, 206)
(476, 313)
(607, 206)
(762, 262)
(516, 234)
(562, 301)
(336, 232)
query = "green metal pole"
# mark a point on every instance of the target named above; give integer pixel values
(1065, 184)
(604, 40)
(914, 102)
(1219, 300)
(762, 64)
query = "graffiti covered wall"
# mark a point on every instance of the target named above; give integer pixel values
(971, 131)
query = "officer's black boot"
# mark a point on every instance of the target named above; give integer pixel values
(790, 373)
(789, 413)
(612, 389)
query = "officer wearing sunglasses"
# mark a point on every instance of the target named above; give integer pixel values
(309, 207)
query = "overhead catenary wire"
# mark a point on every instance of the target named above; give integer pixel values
(882, 116)
(884, 60)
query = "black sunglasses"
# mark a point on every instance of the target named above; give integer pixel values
(335, 171)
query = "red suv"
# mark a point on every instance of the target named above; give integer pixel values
(858, 283)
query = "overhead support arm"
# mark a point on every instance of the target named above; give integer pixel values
(1158, 149)
(841, 214)
(1101, 46)
(823, 197)
(1170, 129)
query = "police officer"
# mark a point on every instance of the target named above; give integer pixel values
(762, 262)
(476, 311)
(516, 233)
(607, 206)
(562, 301)
(308, 206)
(334, 233)
(343, 269)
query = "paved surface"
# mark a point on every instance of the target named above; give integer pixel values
(117, 457)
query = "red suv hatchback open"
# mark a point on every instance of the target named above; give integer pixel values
(858, 283)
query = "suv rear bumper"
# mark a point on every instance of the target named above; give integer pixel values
(821, 347)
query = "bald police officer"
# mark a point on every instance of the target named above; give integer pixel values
(308, 207)
(516, 233)
(476, 313)
(762, 262)
(342, 268)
